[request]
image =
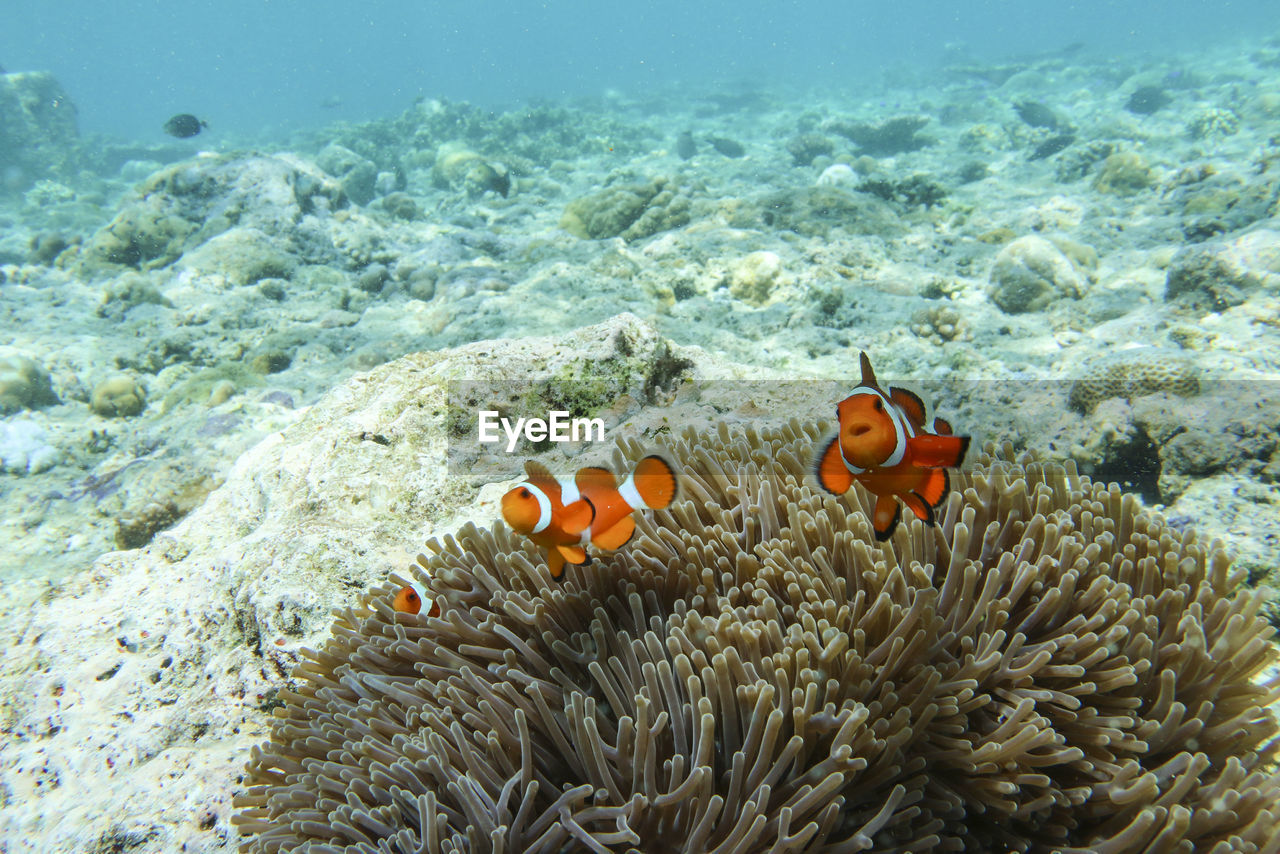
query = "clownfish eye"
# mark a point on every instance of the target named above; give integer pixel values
(879, 404)
(524, 493)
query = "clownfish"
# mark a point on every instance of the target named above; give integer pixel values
(884, 445)
(563, 515)
(409, 600)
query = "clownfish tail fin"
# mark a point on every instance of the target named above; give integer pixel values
(652, 486)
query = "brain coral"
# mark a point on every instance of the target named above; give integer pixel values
(1047, 669)
(1136, 375)
(631, 212)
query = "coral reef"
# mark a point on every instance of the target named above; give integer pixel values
(818, 210)
(1216, 276)
(915, 191)
(1213, 124)
(1047, 669)
(631, 211)
(24, 384)
(458, 168)
(118, 396)
(891, 136)
(1124, 173)
(807, 147)
(1133, 374)
(1030, 273)
(939, 324)
(187, 204)
(754, 277)
(355, 174)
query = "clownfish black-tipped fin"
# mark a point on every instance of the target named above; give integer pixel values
(919, 506)
(617, 536)
(829, 468)
(935, 488)
(655, 482)
(594, 477)
(884, 523)
(942, 427)
(572, 554)
(910, 404)
(555, 563)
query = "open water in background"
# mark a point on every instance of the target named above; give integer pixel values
(251, 66)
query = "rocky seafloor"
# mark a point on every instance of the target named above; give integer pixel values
(1085, 255)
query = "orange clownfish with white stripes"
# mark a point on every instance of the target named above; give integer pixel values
(884, 445)
(563, 515)
(409, 599)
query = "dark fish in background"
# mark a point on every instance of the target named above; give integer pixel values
(685, 146)
(184, 125)
(1037, 115)
(1146, 100)
(727, 147)
(1052, 145)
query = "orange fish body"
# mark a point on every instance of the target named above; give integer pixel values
(564, 515)
(884, 445)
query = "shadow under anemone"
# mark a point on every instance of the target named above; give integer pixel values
(1049, 668)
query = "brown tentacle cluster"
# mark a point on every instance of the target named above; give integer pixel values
(1048, 669)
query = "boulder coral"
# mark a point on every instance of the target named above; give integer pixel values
(188, 203)
(118, 396)
(753, 277)
(1030, 273)
(1124, 173)
(631, 211)
(891, 136)
(24, 384)
(459, 168)
(1217, 276)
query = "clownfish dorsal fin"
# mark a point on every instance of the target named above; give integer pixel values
(595, 477)
(868, 375)
(910, 403)
(539, 476)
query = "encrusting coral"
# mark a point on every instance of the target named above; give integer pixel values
(1049, 668)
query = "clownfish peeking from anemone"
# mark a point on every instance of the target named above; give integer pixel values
(409, 599)
(563, 515)
(884, 445)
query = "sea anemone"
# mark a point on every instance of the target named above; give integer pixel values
(1048, 668)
